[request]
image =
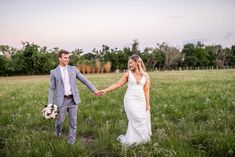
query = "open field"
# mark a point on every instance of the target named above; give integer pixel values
(193, 115)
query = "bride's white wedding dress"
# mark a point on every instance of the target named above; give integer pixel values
(139, 125)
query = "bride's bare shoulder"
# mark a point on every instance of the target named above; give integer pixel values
(146, 75)
(126, 74)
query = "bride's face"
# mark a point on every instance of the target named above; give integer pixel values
(132, 65)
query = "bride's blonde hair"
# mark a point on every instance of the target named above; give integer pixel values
(139, 62)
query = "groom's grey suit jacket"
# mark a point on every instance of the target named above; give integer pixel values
(56, 89)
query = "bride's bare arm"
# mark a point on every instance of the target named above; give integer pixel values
(147, 92)
(118, 84)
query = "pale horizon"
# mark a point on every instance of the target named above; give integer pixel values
(90, 24)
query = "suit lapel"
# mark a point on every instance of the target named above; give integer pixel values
(59, 73)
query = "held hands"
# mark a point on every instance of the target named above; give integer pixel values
(102, 92)
(99, 92)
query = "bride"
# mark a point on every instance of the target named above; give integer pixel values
(136, 102)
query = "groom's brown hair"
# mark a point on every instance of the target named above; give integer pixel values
(62, 52)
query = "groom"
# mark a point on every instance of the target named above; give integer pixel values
(64, 90)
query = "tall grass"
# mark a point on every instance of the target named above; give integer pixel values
(97, 66)
(107, 67)
(192, 115)
(88, 68)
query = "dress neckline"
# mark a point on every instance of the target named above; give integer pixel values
(137, 81)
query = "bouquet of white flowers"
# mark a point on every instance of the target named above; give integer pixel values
(50, 111)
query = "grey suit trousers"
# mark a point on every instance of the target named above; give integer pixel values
(70, 106)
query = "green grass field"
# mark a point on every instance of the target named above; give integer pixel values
(192, 115)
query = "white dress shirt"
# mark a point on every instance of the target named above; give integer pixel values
(62, 70)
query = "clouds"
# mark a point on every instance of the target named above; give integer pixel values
(228, 35)
(176, 17)
(89, 24)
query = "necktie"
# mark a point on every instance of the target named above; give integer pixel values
(66, 82)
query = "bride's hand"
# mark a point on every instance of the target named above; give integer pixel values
(102, 92)
(148, 108)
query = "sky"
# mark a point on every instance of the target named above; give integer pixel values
(88, 24)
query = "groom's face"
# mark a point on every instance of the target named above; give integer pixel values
(64, 59)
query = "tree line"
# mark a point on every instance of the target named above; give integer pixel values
(32, 59)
